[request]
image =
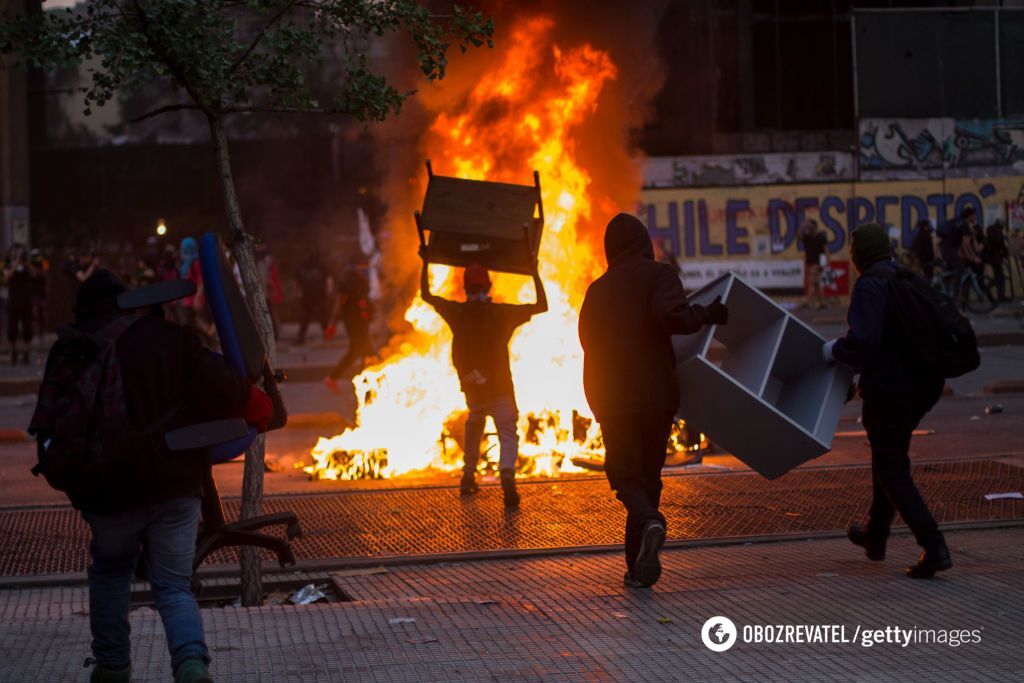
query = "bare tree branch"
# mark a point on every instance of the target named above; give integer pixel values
(172, 65)
(259, 36)
(165, 110)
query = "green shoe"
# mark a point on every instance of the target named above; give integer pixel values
(192, 671)
(101, 674)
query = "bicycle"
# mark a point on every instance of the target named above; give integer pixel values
(973, 292)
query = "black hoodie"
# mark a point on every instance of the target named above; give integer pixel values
(626, 324)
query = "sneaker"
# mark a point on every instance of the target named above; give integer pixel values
(508, 488)
(468, 485)
(874, 548)
(192, 671)
(101, 674)
(629, 581)
(930, 562)
(647, 567)
(332, 385)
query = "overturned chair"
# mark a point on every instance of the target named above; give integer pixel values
(227, 439)
(497, 225)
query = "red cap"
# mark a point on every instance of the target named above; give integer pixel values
(476, 279)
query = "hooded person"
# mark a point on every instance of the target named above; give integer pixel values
(896, 396)
(481, 332)
(627, 321)
(144, 496)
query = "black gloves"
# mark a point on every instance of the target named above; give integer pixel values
(717, 313)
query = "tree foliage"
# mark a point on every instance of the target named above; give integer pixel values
(236, 56)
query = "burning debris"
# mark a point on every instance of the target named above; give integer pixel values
(527, 112)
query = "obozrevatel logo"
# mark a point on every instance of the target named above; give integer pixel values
(719, 633)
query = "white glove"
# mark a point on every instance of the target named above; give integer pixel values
(826, 351)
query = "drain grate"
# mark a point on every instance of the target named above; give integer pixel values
(553, 514)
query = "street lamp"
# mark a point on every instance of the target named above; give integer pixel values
(161, 227)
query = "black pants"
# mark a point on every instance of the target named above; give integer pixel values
(890, 422)
(19, 316)
(999, 276)
(313, 309)
(635, 447)
(359, 347)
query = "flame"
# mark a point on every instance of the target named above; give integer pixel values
(522, 115)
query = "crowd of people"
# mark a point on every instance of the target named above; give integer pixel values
(950, 248)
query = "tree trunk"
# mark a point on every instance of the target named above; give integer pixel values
(241, 248)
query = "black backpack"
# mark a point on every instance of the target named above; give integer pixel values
(81, 419)
(938, 340)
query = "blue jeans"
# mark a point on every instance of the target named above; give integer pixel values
(505, 414)
(167, 533)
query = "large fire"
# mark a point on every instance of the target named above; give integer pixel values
(523, 115)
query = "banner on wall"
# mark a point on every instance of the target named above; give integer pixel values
(756, 228)
(781, 274)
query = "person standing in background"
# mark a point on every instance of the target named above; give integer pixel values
(271, 279)
(815, 245)
(312, 277)
(19, 301)
(40, 270)
(923, 248)
(352, 305)
(996, 255)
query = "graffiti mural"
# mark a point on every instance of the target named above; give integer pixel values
(893, 148)
(748, 169)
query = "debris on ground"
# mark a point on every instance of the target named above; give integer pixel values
(1011, 495)
(308, 594)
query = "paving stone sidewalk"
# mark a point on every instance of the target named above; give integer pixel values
(554, 514)
(568, 618)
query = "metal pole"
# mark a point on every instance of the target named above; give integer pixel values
(856, 94)
(999, 78)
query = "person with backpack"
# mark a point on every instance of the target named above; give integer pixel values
(481, 332)
(905, 338)
(115, 383)
(627, 320)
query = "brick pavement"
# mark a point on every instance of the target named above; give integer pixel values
(569, 619)
(554, 514)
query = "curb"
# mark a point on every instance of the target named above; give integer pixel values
(295, 421)
(341, 563)
(13, 435)
(1005, 386)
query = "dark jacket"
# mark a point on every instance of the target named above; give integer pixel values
(169, 379)
(871, 343)
(626, 325)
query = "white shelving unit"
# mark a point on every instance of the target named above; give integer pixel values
(771, 400)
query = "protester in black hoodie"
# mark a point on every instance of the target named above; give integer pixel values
(152, 502)
(626, 324)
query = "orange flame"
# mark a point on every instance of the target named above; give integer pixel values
(525, 114)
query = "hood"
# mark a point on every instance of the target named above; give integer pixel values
(98, 295)
(626, 239)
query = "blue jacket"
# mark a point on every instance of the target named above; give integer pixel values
(871, 344)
